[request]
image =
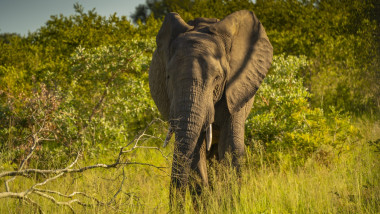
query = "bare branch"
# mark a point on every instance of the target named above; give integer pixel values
(49, 194)
(20, 195)
(34, 204)
(68, 203)
(148, 147)
(35, 142)
(26, 172)
(66, 170)
(71, 195)
(47, 180)
(119, 190)
(147, 164)
(137, 138)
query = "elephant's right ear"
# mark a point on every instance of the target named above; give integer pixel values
(173, 26)
(249, 53)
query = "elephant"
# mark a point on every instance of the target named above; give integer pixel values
(203, 78)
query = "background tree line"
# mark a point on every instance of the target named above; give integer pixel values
(340, 37)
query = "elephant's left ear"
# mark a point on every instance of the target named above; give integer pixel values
(250, 56)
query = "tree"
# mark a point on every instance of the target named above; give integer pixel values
(189, 9)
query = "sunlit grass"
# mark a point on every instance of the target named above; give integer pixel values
(350, 183)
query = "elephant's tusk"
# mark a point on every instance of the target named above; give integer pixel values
(209, 137)
(168, 137)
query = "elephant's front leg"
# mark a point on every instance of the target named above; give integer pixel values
(199, 177)
(232, 138)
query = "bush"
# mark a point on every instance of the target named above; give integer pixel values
(106, 103)
(285, 128)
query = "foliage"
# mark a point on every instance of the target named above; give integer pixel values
(115, 78)
(93, 66)
(339, 37)
(345, 74)
(44, 55)
(106, 104)
(285, 127)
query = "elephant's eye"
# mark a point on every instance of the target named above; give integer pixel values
(217, 78)
(168, 77)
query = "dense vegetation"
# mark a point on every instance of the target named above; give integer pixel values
(79, 83)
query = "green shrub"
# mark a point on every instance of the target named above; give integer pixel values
(285, 128)
(114, 77)
(105, 105)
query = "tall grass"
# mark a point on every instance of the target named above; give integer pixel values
(349, 183)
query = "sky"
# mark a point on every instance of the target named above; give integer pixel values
(23, 16)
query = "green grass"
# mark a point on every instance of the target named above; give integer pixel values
(349, 186)
(348, 183)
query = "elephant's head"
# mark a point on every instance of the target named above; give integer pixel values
(199, 63)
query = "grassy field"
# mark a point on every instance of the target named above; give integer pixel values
(345, 183)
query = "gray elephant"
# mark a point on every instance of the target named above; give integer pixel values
(203, 78)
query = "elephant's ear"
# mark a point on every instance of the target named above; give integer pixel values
(172, 26)
(249, 53)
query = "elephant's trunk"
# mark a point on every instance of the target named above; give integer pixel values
(188, 123)
(187, 132)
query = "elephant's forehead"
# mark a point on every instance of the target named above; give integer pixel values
(196, 43)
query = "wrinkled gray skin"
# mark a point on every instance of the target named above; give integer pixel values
(206, 72)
